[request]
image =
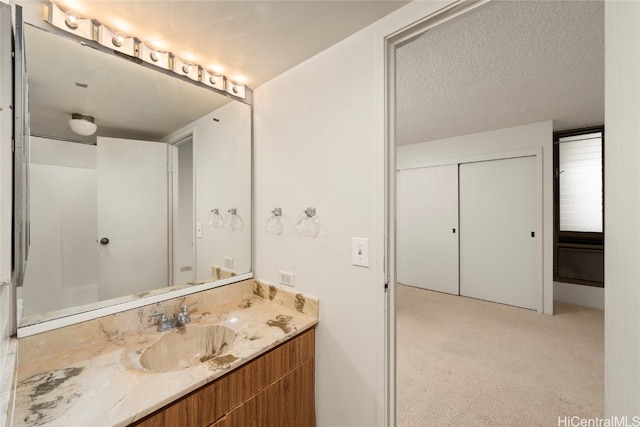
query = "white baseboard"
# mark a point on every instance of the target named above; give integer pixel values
(586, 296)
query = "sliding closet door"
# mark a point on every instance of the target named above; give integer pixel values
(498, 214)
(427, 222)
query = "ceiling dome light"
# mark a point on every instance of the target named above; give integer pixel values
(82, 125)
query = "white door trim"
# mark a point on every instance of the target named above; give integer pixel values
(401, 32)
(526, 152)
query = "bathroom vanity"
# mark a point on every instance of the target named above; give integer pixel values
(245, 358)
(275, 389)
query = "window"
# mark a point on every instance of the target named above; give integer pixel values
(579, 206)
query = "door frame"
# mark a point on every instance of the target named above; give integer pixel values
(172, 184)
(400, 33)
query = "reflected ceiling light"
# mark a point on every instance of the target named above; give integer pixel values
(82, 125)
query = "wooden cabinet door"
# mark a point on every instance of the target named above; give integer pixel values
(288, 402)
(276, 389)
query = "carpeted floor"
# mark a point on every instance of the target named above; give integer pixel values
(466, 362)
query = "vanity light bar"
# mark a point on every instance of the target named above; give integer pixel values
(69, 21)
(155, 57)
(213, 79)
(93, 30)
(235, 89)
(115, 41)
(186, 69)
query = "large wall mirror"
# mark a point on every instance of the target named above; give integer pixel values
(157, 202)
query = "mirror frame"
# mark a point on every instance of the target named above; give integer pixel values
(66, 317)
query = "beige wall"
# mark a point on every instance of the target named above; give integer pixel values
(319, 142)
(622, 209)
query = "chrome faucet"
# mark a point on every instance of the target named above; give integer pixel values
(184, 318)
(180, 319)
(164, 324)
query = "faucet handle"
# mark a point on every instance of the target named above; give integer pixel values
(164, 323)
(184, 317)
(185, 308)
(163, 317)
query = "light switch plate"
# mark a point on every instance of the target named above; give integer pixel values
(360, 252)
(199, 230)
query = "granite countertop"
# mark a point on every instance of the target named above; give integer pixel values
(90, 375)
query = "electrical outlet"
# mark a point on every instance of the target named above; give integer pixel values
(186, 268)
(287, 278)
(228, 262)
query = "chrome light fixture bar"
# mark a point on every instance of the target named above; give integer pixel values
(69, 21)
(186, 69)
(155, 57)
(213, 79)
(116, 41)
(131, 46)
(235, 89)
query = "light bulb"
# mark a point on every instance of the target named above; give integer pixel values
(71, 20)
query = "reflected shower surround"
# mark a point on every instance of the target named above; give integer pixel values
(90, 29)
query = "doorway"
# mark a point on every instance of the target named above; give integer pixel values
(464, 97)
(183, 212)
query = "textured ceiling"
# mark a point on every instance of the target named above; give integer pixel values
(503, 64)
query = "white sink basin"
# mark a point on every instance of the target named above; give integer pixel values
(181, 348)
